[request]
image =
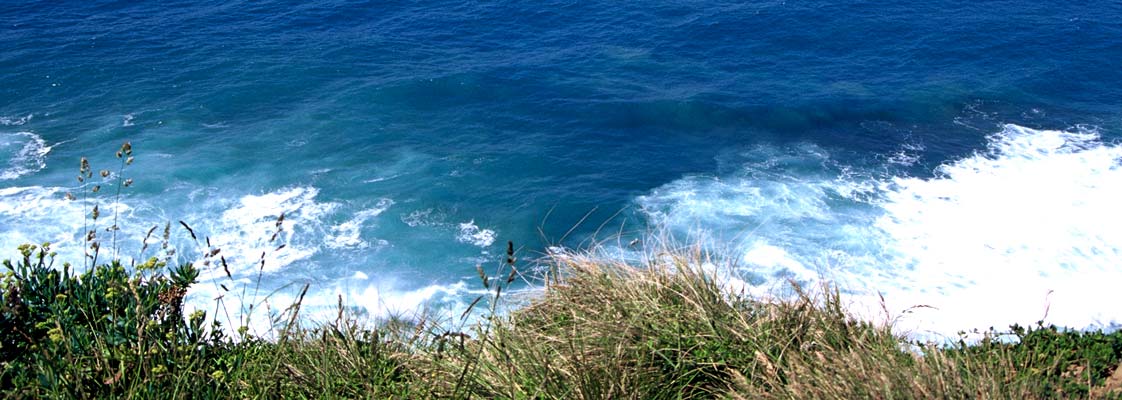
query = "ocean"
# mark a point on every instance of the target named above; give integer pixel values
(960, 159)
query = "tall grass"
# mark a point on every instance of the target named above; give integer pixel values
(670, 327)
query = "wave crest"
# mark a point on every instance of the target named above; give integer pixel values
(24, 153)
(1026, 228)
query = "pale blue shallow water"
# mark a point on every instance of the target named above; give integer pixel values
(406, 143)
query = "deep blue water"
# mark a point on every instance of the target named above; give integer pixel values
(935, 151)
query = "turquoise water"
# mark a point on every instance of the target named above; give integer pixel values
(963, 156)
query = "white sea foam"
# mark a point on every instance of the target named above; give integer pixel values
(385, 299)
(776, 217)
(425, 217)
(907, 156)
(349, 234)
(380, 179)
(245, 234)
(242, 228)
(761, 255)
(472, 234)
(364, 299)
(37, 214)
(246, 231)
(126, 120)
(465, 232)
(15, 121)
(25, 152)
(1030, 228)
(1025, 230)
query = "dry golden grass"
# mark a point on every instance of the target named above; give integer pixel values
(671, 327)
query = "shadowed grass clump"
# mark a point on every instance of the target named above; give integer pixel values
(672, 328)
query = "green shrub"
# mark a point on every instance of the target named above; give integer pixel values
(1048, 359)
(98, 332)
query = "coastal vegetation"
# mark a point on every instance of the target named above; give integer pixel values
(667, 326)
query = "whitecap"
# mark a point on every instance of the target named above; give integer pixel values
(17, 121)
(425, 217)
(349, 234)
(364, 301)
(37, 214)
(1026, 230)
(908, 155)
(380, 179)
(250, 228)
(474, 235)
(25, 152)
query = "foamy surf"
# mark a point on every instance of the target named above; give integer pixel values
(36, 214)
(15, 121)
(472, 234)
(22, 153)
(349, 234)
(363, 299)
(309, 248)
(1024, 231)
(251, 233)
(324, 244)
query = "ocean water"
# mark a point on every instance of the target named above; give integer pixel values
(959, 157)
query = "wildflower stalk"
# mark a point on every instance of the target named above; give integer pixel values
(125, 157)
